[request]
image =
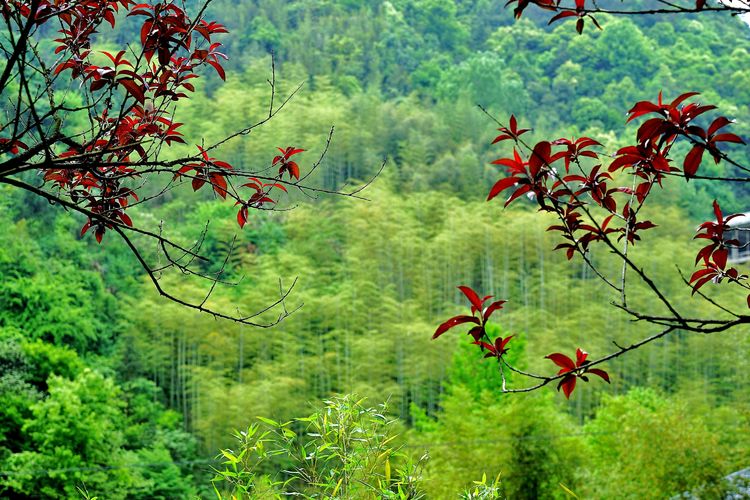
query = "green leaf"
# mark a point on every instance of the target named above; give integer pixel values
(568, 491)
(268, 421)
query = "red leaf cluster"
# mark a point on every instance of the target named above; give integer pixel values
(511, 132)
(133, 118)
(566, 189)
(574, 370)
(565, 177)
(713, 257)
(286, 164)
(564, 193)
(479, 317)
(257, 199)
(674, 120)
(580, 14)
(208, 170)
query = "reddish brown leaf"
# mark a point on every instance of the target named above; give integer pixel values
(454, 321)
(242, 217)
(492, 308)
(518, 192)
(720, 257)
(693, 160)
(728, 138)
(599, 373)
(502, 185)
(562, 361)
(86, 227)
(581, 356)
(197, 183)
(476, 332)
(470, 294)
(568, 384)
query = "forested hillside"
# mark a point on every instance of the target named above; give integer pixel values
(107, 388)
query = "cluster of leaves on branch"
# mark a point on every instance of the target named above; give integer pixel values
(646, 164)
(133, 100)
(599, 203)
(569, 372)
(583, 9)
(713, 257)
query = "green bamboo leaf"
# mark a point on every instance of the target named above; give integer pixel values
(568, 491)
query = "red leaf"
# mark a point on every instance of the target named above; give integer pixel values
(492, 308)
(291, 151)
(197, 183)
(642, 108)
(717, 213)
(580, 356)
(500, 344)
(540, 156)
(562, 361)
(728, 138)
(512, 164)
(133, 89)
(477, 332)
(502, 185)
(600, 373)
(242, 217)
(704, 253)
(718, 123)
(702, 281)
(693, 160)
(219, 185)
(218, 69)
(126, 219)
(472, 296)
(454, 321)
(568, 384)
(518, 192)
(502, 137)
(293, 169)
(485, 345)
(682, 97)
(562, 15)
(720, 258)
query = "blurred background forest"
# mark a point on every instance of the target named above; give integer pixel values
(102, 383)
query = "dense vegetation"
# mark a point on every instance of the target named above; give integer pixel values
(106, 387)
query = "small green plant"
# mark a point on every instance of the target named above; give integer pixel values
(85, 495)
(482, 490)
(344, 451)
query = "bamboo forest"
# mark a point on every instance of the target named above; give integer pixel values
(386, 110)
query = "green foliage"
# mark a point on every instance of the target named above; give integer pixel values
(51, 298)
(525, 441)
(77, 435)
(45, 360)
(345, 450)
(482, 490)
(662, 447)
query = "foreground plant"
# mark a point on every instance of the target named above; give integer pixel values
(345, 450)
